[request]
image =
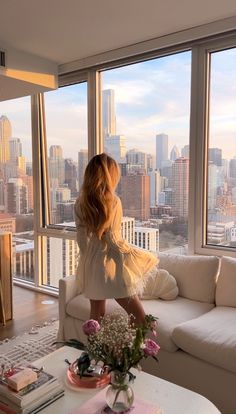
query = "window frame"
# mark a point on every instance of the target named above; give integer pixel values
(199, 144)
(211, 37)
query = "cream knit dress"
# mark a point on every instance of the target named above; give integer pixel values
(111, 267)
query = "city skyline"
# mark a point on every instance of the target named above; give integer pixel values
(144, 106)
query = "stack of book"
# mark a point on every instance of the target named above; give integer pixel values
(33, 397)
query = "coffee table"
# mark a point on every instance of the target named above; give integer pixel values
(172, 398)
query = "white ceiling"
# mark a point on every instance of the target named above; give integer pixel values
(66, 30)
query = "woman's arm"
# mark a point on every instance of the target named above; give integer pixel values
(82, 236)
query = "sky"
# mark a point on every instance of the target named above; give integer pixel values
(151, 97)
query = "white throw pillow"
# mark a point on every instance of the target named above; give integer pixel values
(195, 275)
(162, 286)
(226, 283)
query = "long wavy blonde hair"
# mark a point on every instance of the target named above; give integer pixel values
(97, 193)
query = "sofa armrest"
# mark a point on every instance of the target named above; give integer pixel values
(68, 289)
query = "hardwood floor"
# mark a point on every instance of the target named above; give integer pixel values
(28, 311)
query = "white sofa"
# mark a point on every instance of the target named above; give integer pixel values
(196, 330)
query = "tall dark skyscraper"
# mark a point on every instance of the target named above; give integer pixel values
(161, 149)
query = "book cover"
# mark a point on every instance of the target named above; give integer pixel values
(44, 382)
(97, 405)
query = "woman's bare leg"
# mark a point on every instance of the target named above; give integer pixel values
(133, 306)
(97, 309)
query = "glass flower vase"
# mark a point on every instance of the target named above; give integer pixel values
(119, 395)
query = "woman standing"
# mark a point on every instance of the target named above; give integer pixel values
(108, 266)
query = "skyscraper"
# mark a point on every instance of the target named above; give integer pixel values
(137, 158)
(161, 149)
(15, 147)
(155, 186)
(17, 196)
(185, 151)
(115, 146)
(180, 183)
(174, 153)
(71, 176)
(232, 171)
(82, 163)
(108, 112)
(56, 166)
(5, 135)
(135, 195)
(215, 155)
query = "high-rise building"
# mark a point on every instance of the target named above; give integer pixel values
(174, 153)
(137, 158)
(161, 149)
(166, 171)
(82, 164)
(17, 196)
(108, 112)
(56, 165)
(215, 156)
(15, 168)
(71, 176)
(168, 196)
(28, 181)
(115, 146)
(155, 186)
(65, 211)
(55, 151)
(212, 185)
(232, 168)
(5, 135)
(59, 195)
(15, 147)
(150, 162)
(127, 229)
(147, 238)
(180, 183)
(62, 257)
(29, 168)
(135, 195)
(185, 151)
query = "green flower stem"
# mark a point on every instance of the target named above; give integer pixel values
(119, 388)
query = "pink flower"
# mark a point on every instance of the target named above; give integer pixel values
(91, 327)
(151, 348)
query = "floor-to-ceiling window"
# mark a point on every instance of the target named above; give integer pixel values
(16, 184)
(67, 157)
(221, 198)
(145, 127)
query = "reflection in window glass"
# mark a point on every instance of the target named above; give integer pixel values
(146, 109)
(66, 126)
(221, 210)
(16, 183)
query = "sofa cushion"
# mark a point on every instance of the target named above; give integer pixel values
(195, 275)
(162, 285)
(210, 337)
(226, 283)
(169, 313)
